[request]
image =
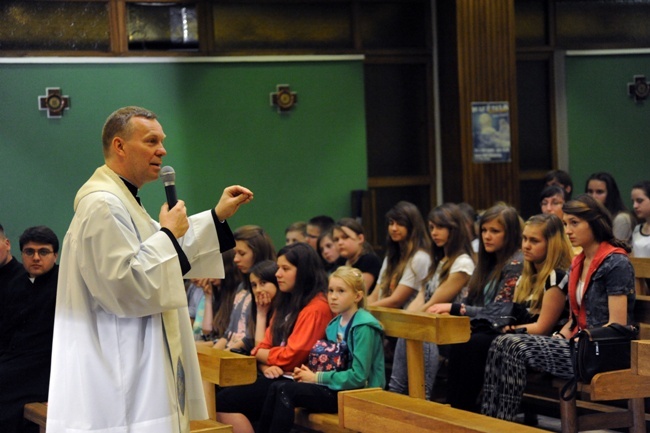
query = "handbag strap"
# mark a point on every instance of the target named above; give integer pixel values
(570, 388)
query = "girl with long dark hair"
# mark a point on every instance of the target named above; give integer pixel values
(499, 266)
(299, 320)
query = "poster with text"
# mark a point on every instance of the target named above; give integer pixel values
(491, 131)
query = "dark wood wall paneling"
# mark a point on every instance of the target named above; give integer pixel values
(477, 40)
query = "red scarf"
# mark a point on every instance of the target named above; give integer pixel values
(605, 249)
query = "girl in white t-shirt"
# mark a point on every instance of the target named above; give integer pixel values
(403, 273)
(407, 259)
(448, 275)
(452, 257)
(641, 233)
(641, 205)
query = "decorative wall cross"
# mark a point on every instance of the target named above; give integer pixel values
(284, 99)
(54, 102)
(638, 89)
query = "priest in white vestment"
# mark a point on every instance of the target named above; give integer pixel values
(123, 357)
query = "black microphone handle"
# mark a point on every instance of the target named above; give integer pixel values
(170, 191)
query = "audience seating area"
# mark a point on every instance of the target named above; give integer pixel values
(373, 410)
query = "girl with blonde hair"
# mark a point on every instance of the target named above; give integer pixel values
(547, 257)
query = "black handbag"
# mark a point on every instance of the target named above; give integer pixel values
(494, 316)
(598, 350)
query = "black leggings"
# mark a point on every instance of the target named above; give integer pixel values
(283, 398)
(466, 371)
(246, 399)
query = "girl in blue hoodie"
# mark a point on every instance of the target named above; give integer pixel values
(317, 391)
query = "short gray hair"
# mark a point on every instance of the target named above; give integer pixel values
(118, 123)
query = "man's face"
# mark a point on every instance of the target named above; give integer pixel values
(38, 259)
(5, 250)
(143, 150)
(313, 232)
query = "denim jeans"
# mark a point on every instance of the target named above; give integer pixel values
(399, 376)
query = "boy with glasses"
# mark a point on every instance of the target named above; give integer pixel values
(26, 327)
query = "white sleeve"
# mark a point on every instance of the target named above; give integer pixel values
(201, 246)
(464, 264)
(384, 264)
(125, 275)
(416, 271)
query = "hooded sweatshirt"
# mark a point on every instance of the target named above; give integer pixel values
(365, 342)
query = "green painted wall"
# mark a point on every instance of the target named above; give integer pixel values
(220, 129)
(608, 131)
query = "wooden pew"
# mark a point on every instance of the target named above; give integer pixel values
(375, 410)
(218, 367)
(415, 328)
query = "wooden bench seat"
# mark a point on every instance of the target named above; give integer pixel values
(375, 410)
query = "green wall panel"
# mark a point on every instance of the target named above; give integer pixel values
(608, 130)
(220, 129)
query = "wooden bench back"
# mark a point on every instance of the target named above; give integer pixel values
(435, 328)
(642, 273)
(641, 266)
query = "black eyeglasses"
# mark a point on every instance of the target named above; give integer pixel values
(43, 252)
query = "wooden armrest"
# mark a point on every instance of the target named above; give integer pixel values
(36, 413)
(640, 362)
(224, 368)
(619, 384)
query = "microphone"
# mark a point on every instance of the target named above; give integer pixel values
(168, 176)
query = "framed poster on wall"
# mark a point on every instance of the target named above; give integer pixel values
(491, 131)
